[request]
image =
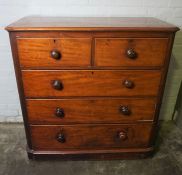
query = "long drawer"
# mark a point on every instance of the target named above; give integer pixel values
(91, 83)
(130, 51)
(112, 110)
(60, 137)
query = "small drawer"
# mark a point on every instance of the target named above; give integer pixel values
(130, 51)
(90, 83)
(63, 137)
(54, 52)
(96, 110)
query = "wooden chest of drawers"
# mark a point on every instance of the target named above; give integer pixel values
(91, 87)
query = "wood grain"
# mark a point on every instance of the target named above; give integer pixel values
(112, 51)
(94, 110)
(90, 76)
(35, 52)
(90, 83)
(90, 136)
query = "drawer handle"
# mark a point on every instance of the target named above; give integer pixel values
(61, 138)
(57, 84)
(122, 135)
(125, 110)
(55, 54)
(131, 53)
(128, 84)
(59, 112)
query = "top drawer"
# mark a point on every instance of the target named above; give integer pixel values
(54, 52)
(130, 52)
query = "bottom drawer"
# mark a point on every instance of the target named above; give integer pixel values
(62, 137)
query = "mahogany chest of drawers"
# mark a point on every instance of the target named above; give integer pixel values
(91, 87)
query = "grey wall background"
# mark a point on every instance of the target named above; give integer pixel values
(11, 10)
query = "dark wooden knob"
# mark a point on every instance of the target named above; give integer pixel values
(59, 112)
(131, 53)
(122, 135)
(57, 84)
(55, 54)
(61, 138)
(128, 84)
(124, 110)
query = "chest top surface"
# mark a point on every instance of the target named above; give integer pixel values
(39, 23)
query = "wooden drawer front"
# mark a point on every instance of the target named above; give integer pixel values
(113, 51)
(45, 137)
(90, 83)
(36, 52)
(90, 111)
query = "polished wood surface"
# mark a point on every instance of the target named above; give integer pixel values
(35, 52)
(38, 23)
(45, 137)
(90, 83)
(149, 51)
(91, 87)
(94, 110)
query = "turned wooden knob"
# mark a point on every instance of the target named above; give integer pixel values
(57, 84)
(128, 84)
(122, 135)
(124, 110)
(61, 138)
(131, 53)
(59, 112)
(55, 54)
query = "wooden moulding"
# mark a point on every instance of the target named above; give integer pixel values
(91, 154)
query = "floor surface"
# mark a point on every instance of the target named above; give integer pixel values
(166, 161)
